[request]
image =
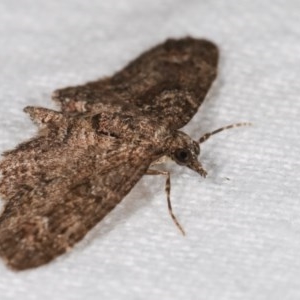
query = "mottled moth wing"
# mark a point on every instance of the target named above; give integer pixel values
(86, 158)
(60, 184)
(167, 83)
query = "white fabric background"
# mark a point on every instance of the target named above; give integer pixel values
(243, 234)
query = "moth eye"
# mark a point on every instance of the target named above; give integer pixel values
(182, 155)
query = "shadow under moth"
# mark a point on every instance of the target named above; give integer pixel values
(107, 135)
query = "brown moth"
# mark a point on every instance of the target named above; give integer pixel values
(88, 156)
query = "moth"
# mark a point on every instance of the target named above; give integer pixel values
(107, 135)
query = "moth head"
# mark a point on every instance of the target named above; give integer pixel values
(185, 151)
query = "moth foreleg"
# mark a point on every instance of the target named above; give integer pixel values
(168, 190)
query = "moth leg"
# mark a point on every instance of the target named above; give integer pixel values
(168, 190)
(161, 160)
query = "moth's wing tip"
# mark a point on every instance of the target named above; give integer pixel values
(17, 266)
(22, 255)
(10, 266)
(56, 95)
(31, 111)
(28, 109)
(188, 40)
(63, 95)
(41, 115)
(210, 51)
(202, 48)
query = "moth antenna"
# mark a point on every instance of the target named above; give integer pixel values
(206, 136)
